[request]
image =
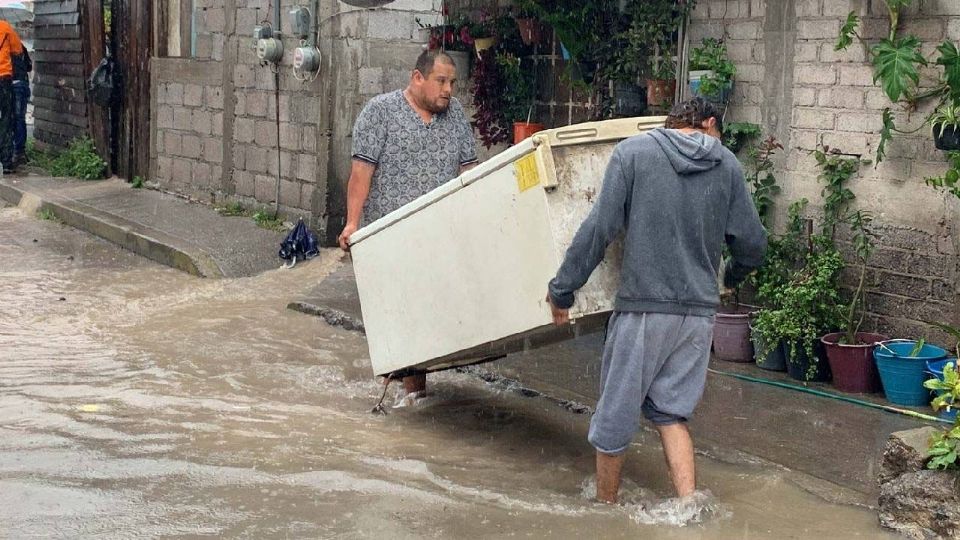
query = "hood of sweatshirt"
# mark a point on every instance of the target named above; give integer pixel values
(689, 153)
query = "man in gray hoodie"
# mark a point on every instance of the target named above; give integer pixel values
(680, 196)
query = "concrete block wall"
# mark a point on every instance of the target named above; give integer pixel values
(217, 111)
(792, 82)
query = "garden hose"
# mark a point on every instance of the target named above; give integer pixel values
(821, 393)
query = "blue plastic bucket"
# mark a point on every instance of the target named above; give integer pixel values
(902, 375)
(935, 368)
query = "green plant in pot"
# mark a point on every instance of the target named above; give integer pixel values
(850, 352)
(482, 32)
(517, 104)
(655, 23)
(711, 71)
(944, 447)
(946, 127)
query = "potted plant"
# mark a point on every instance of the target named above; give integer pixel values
(946, 127)
(517, 101)
(711, 71)
(656, 23)
(850, 352)
(731, 330)
(529, 26)
(482, 32)
(784, 255)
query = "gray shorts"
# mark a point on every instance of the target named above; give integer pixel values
(654, 364)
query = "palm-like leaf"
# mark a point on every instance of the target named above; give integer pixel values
(896, 64)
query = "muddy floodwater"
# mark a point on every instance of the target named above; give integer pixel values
(138, 401)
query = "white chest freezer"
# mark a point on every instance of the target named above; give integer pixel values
(460, 275)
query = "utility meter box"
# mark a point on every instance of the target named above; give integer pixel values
(460, 275)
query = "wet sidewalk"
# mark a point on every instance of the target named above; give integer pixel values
(161, 227)
(836, 444)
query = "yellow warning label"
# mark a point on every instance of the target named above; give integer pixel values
(526, 171)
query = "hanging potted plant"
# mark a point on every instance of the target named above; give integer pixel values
(529, 26)
(850, 352)
(482, 33)
(946, 127)
(711, 71)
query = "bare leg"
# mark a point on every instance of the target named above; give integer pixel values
(608, 477)
(415, 383)
(678, 450)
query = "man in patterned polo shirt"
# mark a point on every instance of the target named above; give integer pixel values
(405, 144)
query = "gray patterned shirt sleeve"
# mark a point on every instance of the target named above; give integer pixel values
(369, 133)
(468, 144)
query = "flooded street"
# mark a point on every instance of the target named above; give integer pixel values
(138, 401)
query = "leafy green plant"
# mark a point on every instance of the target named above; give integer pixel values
(517, 102)
(785, 254)
(137, 182)
(266, 220)
(863, 245)
(760, 176)
(944, 446)
(79, 160)
(737, 134)
(47, 214)
(945, 116)
(234, 208)
(949, 181)
(836, 170)
(712, 55)
(896, 64)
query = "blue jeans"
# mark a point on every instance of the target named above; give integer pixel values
(21, 97)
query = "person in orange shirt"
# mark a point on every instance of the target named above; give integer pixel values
(10, 46)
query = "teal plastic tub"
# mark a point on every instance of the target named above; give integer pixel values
(902, 375)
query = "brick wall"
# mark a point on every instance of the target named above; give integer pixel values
(792, 82)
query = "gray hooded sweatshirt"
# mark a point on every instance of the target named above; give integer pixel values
(679, 197)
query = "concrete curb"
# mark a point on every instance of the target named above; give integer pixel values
(142, 240)
(333, 317)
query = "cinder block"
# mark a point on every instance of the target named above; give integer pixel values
(306, 196)
(243, 183)
(854, 53)
(841, 97)
(201, 174)
(213, 150)
(266, 133)
(256, 159)
(191, 146)
(855, 75)
(244, 76)
(265, 189)
(815, 74)
(215, 20)
(164, 116)
(244, 130)
(806, 52)
(927, 29)
(866, 122)
(813, 118)
(201, 122)
(213, 97)
(309, 142)
(193, 95)
(174, 93)
(290, 136)
(371, 81)
(809, 8)
(182, 171)
(307, 167)
(744, 30)
(216, 124)
(818, 29)
(172, 143)
(390, 25)
(290, 193)
(182, 119)
(804, 97)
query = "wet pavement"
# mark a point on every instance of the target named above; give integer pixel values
(138, 401)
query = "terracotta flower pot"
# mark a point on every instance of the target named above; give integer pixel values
(852, 365)
(530, 32)
(522, 130)
(660, 92)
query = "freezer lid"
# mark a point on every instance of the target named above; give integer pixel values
(585, 133)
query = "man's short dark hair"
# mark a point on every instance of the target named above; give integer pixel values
(692, 113)
(428, 58)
